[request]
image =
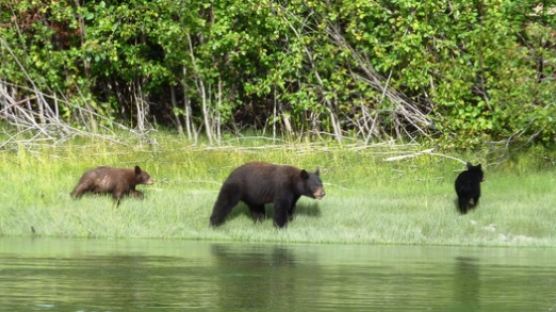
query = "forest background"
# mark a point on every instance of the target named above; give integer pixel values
(457, 72)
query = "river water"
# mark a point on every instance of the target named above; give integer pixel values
(160, 275)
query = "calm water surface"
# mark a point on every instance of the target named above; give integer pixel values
(155, 275)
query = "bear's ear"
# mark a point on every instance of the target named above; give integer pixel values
(469, 165)
(137, 170)
(317, 172)
(304, 174)
(479, 167)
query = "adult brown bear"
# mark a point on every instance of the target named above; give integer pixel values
(259, 183)
(117, 181)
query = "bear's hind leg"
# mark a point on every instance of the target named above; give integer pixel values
(80, 189)
(228, 197)
(475, 201)
(462, 204)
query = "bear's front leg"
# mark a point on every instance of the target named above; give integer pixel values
(291, 210)
(117, 199)
(257, 212)
(136, 194)
(118, 192)
(282, 206)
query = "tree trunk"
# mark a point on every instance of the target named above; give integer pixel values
(218, 108)
(189, 125)
(175, 109)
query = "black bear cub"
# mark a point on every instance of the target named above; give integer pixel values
(468, 187)
(117, 181)
(259, 183)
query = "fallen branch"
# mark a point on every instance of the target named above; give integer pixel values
(429, 151)
(413, 155)
(405, 112)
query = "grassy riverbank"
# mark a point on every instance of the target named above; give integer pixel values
(368, 200)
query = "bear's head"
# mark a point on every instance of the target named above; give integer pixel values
(476, 171)
(311, 185)
(142, 177)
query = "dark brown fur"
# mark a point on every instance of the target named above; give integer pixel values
(258, 183)
(116, 181)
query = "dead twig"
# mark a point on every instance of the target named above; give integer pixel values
(429, 151)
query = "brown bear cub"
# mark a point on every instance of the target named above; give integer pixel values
(117, 181)
(259, 183)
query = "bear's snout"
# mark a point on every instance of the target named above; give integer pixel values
(319, 193)
(149, 181)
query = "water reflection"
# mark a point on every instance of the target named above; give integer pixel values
(268, 277)
(467, 283)
(95, 275)
(98, 282)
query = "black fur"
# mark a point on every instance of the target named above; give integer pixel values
(257, 184)
(468, 187)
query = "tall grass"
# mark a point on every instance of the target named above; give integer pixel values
(368, 199)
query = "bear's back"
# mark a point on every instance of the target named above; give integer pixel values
(263, 172)
(467, 181)
(105, 178)
(259, 182)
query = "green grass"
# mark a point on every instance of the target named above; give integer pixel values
(368, 199)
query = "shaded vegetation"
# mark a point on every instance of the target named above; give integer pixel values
(461, 71)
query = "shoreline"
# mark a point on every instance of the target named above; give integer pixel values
(369, 200)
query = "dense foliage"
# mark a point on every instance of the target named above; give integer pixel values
(461, 71)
